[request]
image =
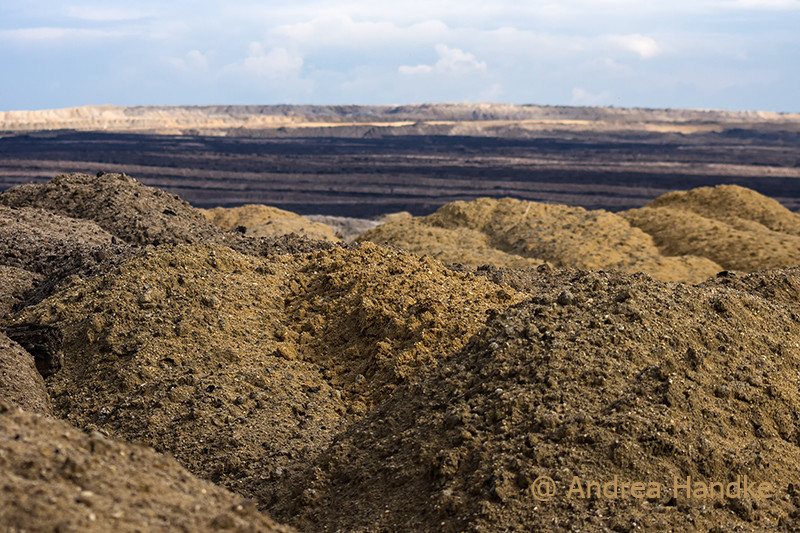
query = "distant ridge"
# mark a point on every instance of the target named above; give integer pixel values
(220, 118)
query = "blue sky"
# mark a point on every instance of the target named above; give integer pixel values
(728, 54)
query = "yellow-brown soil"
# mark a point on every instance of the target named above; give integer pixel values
(266, 221)
(365, 388)
(275, 354)
(514, 233)
(56, 478)
(735, 227)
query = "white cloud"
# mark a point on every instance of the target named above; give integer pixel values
(642, 45)
(493, 93)
(607, 66)
(339, 29)
(103, 14)
(451, 61)
(275, 64)
(581, 96)
(412, 71)
(194, 61)
(779, 5)
(49, 35)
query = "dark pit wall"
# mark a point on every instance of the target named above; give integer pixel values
(366, 176)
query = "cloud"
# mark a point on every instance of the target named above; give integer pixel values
(341, 30)
(412, 71)
(275, 64)
(775, 5)
(49, 35)
(581, 96)
(194, 61)
(607, 66)
(493, 93)
(645, 47)
(103, 14)
(451, 61)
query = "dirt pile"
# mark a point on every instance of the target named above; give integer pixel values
(56, 478)
(15, 284)
(253, 363)
(599, 380)
(448, 245)
(40, 249)
(735, 227)
(363, 388)
(20, 382)
(120, 205)
(266, 221)
(346, 228)
(731, 202)
(515, 233)
(82, 224)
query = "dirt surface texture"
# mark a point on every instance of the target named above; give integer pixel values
(275, 354)
(621, 380)
(735, 227)
(266, 221)
(21, 385)
(518, 234)
(118, 204)
(541, 368)
(15, 283)
(57, 478)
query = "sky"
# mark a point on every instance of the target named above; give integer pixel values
(700, 54)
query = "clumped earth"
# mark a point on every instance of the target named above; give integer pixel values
(449, 245)
(515, 233)
(599, 376)
(276, 354)
(358, 387)
(118, 204)
(40, 249)
(21, 385)
(15, 283)
(267, 221)
(55, 477)
(735, 227)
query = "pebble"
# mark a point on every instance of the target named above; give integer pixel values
(566, 298)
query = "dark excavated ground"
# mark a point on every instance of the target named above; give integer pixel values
(363, 172)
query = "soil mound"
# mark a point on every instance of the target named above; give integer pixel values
(21, 384)
(735, 227)
(266, 221)
(56, 478)
(558, 234)
(38, 240)
(15, 284)
(111, 210)
(346, 228)
(119, 204)
(448, 245)
(253, 363)
(356, 387)
(779, 286)
(40, 249)
(732, 202)
(597, 382)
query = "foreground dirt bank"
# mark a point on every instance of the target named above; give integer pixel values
(175, 376)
